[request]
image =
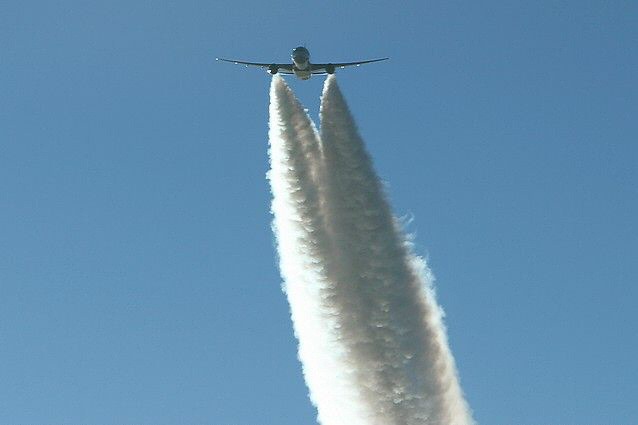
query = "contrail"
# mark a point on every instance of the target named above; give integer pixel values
(371, 338)
(394, 326)
(298, 225)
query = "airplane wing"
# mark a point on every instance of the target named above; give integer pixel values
(284, 68)
(323, 68)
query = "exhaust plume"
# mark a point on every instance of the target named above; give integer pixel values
(294, 176)
(371, 338)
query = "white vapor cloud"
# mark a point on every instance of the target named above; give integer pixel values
(371, 337)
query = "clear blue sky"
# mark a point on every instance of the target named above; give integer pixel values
(138, 277)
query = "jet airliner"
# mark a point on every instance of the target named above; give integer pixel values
(301, 66)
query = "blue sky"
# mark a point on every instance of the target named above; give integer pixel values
(138, 277)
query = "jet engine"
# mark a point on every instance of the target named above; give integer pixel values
(330, 68)
(273, 69)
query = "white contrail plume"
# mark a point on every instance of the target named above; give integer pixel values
(371, 338)
(294, 175)
(390, 321)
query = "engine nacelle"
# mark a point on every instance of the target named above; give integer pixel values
(330, 68)
(273, 69)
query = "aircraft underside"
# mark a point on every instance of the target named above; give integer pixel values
(302, 74)
(301, 66)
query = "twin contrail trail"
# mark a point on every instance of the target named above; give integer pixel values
(371, 338)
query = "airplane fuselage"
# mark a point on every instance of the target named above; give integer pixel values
(301, 63)
(302, 74)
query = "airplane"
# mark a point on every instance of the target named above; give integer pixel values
(301, 66)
